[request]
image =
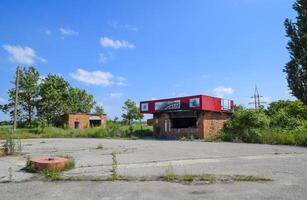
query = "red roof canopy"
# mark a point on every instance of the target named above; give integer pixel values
(196, 102)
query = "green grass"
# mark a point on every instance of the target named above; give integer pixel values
(251, 178)
(112, 131)
(99, 146)
(114, 175)
(169, 176)
(52, 175)
(266, 136)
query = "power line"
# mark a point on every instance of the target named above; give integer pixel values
(257, 99)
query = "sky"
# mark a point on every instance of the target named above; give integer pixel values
(146, 50)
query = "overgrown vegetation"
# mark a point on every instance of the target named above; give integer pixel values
(99, 146)
(113, 130)
(12, 146)
(51, 174)
(114, 175)
(283, 122)
(173, 178)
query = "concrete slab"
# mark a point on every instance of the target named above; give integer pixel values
(286, 165)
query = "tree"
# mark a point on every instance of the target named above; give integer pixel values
(295, 109)
(130, 111)
(54, 92)
(296, 68)
(99, 110)
(79, 101)
(28, 95)
(29, 92)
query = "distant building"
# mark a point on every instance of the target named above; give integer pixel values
(84, 120)
(199, 115)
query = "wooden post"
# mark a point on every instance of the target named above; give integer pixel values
(16, 99)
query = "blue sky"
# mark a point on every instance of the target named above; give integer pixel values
(149, 49)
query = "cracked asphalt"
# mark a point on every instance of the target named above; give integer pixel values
(286, 165)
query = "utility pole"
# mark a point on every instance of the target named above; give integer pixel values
(256, 99)
(16, 99)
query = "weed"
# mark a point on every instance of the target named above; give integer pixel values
(99, 146)
(250, 178)
(70, 164)
(52, 174)
(169, 175)
(188, 178)
(114, 175)
(10, 174)
(12, 146)
(208, 178)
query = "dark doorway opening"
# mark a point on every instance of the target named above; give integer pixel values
(95, 123)
(77, 124)
(184, 122)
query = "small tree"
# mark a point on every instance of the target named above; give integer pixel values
(99, 110)
(54, 92)
(296, 68)
(79, 101)
(27, 97)
(130, 112)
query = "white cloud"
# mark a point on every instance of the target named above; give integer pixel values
(22, 55)
(103, 58)
(68, 32)
(116, 95)
(93, 78)
(117, 25)
(221, 91)
(121, 81)
(116, 44)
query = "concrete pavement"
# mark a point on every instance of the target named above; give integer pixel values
(286, 165)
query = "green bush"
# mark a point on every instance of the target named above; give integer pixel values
(283, 120)
(244, 125)
(295, 109)
(287, 114)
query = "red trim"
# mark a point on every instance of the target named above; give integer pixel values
(207, 103)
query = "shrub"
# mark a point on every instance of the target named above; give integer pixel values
(283, 120)
(244, 125)
(287, 114)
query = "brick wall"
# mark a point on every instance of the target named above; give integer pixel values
(208, 123)
(83, 120)
(211, 123)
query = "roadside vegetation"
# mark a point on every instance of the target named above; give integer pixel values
(283, 122)
(112, 130)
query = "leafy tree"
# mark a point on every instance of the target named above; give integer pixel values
(287, 114)
(295, 109)
(54, 92)
(27, 97)
(29, 92)
(99, 110)
(79, 101)
(296, 68)
(130, 112)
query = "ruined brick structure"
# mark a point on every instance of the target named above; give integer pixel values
(199, 116)
(83, 120)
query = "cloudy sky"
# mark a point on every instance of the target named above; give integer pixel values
(149, 49)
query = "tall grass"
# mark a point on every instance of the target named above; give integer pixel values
(268, 136)
(111, 131)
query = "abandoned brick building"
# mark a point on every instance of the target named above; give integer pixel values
(199, 115)
(84, 120)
